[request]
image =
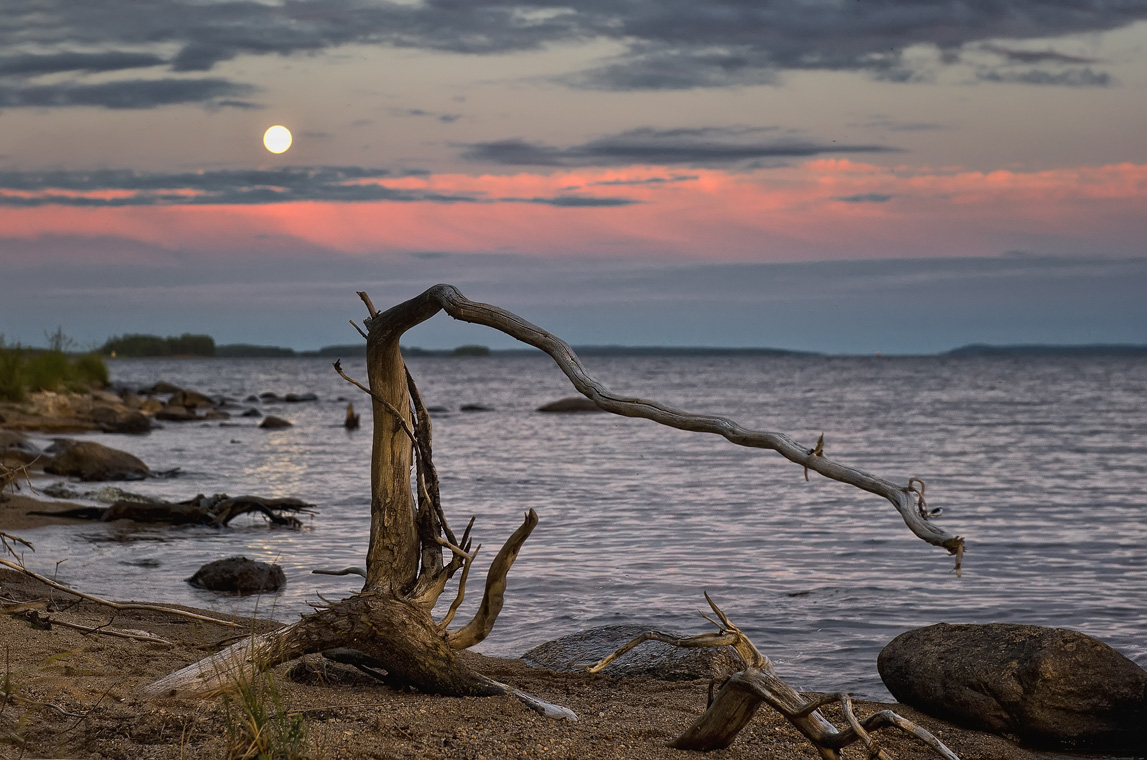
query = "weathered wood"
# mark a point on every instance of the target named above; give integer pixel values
(390, 620)
(740, 696)
(216, 511)
(450, 300)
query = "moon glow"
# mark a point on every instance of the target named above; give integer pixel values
(277, 139)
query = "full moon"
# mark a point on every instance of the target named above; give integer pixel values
(277, 139)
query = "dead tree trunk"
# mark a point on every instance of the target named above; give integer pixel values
(413, 553)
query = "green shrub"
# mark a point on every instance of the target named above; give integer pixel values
(12, 382)
(26, 370)
(90, 368)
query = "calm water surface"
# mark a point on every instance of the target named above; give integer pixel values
(1040, 463)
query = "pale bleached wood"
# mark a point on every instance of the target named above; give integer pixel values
(450, 300)
(740, 696)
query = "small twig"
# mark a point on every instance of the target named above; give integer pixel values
(105, 631)
(6, 537)
(461, 590)
(344, 571)
(355, 326)
(816, 451)
(17, 699)
(386, 404)
(369, 306)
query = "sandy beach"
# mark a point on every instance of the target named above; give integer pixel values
(74, 694)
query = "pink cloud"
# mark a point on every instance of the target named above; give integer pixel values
(827, 208)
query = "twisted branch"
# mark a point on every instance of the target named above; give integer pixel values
(447, 298)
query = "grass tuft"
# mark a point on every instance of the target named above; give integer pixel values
(27, 370)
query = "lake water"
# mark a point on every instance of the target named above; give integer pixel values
(1041, 463)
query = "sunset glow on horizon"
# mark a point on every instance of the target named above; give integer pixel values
(876, 133)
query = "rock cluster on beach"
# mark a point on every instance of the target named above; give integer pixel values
(128, 410)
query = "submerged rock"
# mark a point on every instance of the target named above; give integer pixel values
(571, 404)
(652, 659)
(271, 422)
(475, 408)
(239, 575)
(1047, 687)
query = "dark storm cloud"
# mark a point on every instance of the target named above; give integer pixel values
(710, 146)
(56, 63)
(341, 184)
(1082, 77)
(666, 44)
(1036, 56)
(129, 94)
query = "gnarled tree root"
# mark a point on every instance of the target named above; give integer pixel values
(739, 697)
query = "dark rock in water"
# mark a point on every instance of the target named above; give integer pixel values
(271, 422)
(268, 396)
(251, 413)
(174, 413)
(59, 446)
(437, 410)
(475, 408)
(216, 414)
(571, 404)
(295, 398)
(160, 388)
(113, 420)
(94, 461)
(239, 575)
(190, 400)
(652, 658)
(1047, 687)
(251, 398)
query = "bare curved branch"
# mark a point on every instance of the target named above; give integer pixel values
(450, 300)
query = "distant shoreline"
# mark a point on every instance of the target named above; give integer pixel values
(971, 350)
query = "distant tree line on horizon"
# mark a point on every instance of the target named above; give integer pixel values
(139, 345)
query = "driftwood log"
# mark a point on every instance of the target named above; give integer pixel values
(741, 694)
(413, 553)
(216, 511)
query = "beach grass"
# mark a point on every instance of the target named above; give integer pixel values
(27, 370)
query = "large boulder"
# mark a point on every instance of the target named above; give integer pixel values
(651, 659)
(239, 575)
(1046, 687)
(89, 460)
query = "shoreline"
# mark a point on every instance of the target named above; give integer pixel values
(75, 694)
(14, 512)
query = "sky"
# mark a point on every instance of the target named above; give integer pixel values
(847, 176)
